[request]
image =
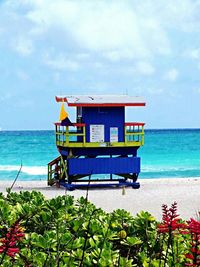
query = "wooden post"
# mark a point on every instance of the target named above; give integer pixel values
(142, 135)
(84, 137)
(67, 135)
(125, 140)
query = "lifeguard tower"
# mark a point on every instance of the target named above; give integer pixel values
(100, 148)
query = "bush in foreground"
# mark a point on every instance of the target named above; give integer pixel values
(64, 232)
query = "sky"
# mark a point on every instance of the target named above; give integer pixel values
(148, 48)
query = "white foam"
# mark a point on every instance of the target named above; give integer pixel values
(31, 170)
(155, 168)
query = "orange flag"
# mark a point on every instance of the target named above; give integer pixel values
(63, 113)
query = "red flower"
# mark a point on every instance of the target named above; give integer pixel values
(9, 243)
(191, 264)
(189, 256)
(194, 230)
(170, 220)
(12, 252)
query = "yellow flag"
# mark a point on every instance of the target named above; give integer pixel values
(63, 113)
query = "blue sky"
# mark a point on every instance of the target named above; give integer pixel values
(148, 48)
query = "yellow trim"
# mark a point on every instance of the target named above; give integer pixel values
(64, 167)
(139, 133)
(67, 134)
(142, 135)
(117, 144)
(84, 135)
(63, 138)
(75, 134)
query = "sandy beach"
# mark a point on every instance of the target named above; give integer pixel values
(150, 197)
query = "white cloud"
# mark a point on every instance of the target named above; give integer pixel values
(60, 62)
(193, 53)
(114, 56)
(182, 15)
(5, 97)
(82, 56)
(114, 28)
(197, 90)
(125, 54)
(23, 46)
(171, 75)
(145, 68)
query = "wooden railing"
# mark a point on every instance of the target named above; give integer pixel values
(56, 170)
(51, 170)
(75, 135)
(134, 132)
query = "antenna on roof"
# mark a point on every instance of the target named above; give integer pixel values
(125, 92)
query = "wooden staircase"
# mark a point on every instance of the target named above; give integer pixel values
(56, 170)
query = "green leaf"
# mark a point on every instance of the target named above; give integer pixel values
(91, 242)
(132, 241)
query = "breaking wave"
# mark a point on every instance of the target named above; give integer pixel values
(30, 170)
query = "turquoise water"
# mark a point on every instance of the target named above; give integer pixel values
(171, 153)
(166, 153)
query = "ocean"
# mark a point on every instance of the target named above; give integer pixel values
(166, 154)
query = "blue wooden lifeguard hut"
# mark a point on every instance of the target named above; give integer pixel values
(100, 148)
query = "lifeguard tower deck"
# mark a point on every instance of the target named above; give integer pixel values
(100, 148)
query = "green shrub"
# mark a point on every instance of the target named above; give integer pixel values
(60, 232)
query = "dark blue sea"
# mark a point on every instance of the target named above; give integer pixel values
(166, 154)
